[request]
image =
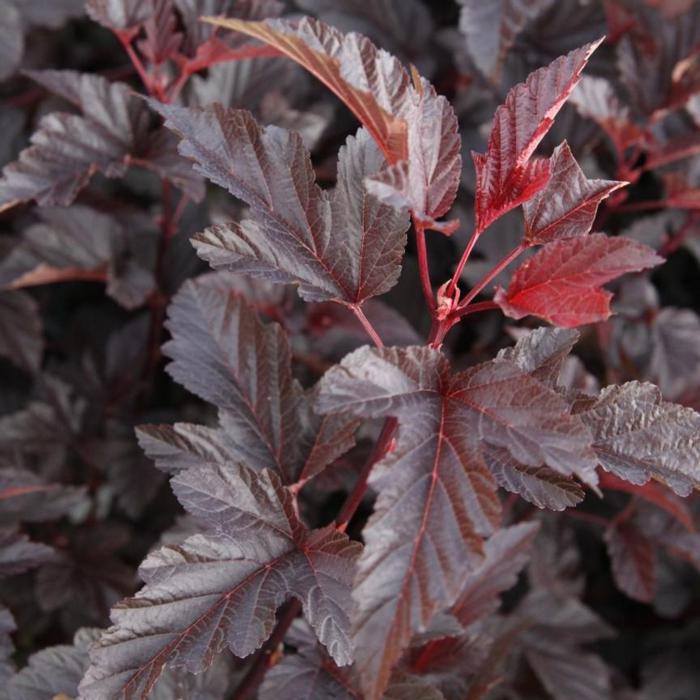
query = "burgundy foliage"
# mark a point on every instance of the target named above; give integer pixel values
(299, 400)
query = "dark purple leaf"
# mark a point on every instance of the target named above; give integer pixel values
(402, 27)
(415, 128)
(198, 594)
(21, 339)
(52, 15)
(506, 553)
(27, 497)
(558, 625)
(638, 436)
(7, 626)
(541, 486)
(595, 98)
(162, 38)
(199, 34)
(342, 245)
(77, 243)
(18, 554)
(224, 354)
(68, 148)
(309, 673)
(675, 355)
(542, 353)
(490, 29)
(54, 672)
(651, 60)
(110, 133)
(436, 495)
(120, 15)
(11, 38)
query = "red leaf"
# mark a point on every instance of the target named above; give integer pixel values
(567, 205)
(562, 283)
(504, 176)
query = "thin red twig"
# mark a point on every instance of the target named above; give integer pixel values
(423, 269)
(357, 494)
(463, 260)
(264, 659)
(494, 272)
(367, 325)
(476, 308)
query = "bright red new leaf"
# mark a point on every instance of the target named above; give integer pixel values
(504, 175)
(562, 283)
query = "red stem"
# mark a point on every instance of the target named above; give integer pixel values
(264, 659)
(367, 325)
(494, 272)
(476, 308)
(357, 494)
(125, 38)
(423, 269)
(677, 240)
(463, 260)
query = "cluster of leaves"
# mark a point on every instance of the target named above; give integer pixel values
(264, 481)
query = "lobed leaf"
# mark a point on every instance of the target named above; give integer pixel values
(541, 486)
(342, 245)
(111, 132)
(638, 436)
(309, 673)
(222, 588)
(436, 495)
(53, 672)
(566, 206)
(11, 39)
(505, 175)
(557, 626)
(19, 554)
(223, 353)
(120, 15)
(415, 128)
(595, 98)
(77, 243)
(506, 553)
(562, 282)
